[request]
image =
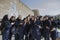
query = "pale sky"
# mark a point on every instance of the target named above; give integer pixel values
(45, 7)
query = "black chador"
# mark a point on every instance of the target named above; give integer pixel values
(26, 30)
(6, 26)
(19, 24)
(12, 30)
(46, 28)
(35, 30)
(53, 30)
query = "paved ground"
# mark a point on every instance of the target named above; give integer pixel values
(13, 38)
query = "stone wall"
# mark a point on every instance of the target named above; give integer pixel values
(14, 7)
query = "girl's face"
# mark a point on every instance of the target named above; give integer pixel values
(33, 18)
(46, 18)
(26, 20)
(52, 19)
(13, 18)
(41, 19)
(19, 17)
(37, 17)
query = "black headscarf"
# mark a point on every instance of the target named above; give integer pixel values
(5, 18)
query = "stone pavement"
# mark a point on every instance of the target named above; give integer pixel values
(13, 38)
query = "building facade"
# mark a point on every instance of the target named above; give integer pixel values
(14, 8)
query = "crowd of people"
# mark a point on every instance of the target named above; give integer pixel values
(30, 28)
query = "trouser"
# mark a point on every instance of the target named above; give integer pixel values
(53, 35)
(12, 32)
(5, 35)
(10, 36)
(19, 36)
(46, 34)
(30, 37)
(41, 30)
(26, 37)
(36, 36)
(16, 37)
